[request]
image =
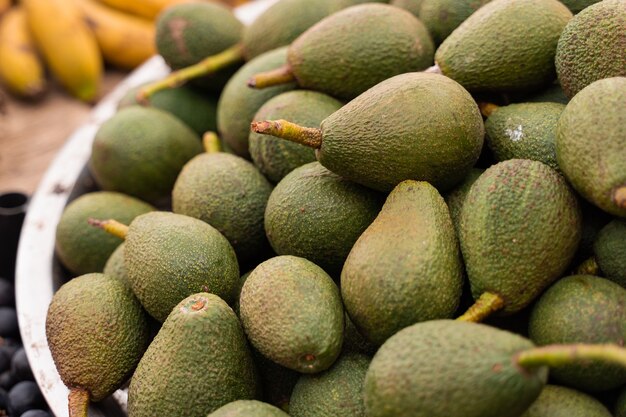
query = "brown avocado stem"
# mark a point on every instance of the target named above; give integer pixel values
(619, 196)
(282, 75)
(208, 65)
(307, 136)
(588, 267)
(78, 402)
(211, 143)
(110, 226)
(561, 355)
(486, 304)
(487, 109)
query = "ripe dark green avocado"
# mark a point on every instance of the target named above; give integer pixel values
(456, 196)
(292, 313)
(578, 5)
(555, 401)
(592, 46)
(441, 17)
(419, 126)
(506, 45)
(198, 362)
(406, 267)
(248, 408)
(582, 309)
(97, 332)
(83, 249)
(610, 249)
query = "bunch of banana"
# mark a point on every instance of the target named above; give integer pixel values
(72, 38)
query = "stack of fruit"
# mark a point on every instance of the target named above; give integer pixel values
(73, 38)
(350, 176)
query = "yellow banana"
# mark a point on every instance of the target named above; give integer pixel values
(68, 46)
(149, 9)
(20, 68)
(125, 41)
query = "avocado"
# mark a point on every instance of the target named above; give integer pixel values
(276, 157)
(170, 256)
(620, 405)
(337, 391)
(555, 401)
(195, 109)
(582, 309)
(115, 265)
(520, 226)
(291, 312)
(524, 131)
(97, 332)
(506, 45)
(406, 267)
(277, 382)
(456, 196)
(318, 215)
(596, 168)
(333, 58)
(610, 251)
(441, 17)
(353, 340)
(412, 6)
(445, 368)
(248, 408)
(578, 5)
(417, 126)
(187, 33)
(592, 46)
(230, 194)
(552, 94)
(198, 362)
(238, 103)
(594, 220)
(140, 151)
(83, 249)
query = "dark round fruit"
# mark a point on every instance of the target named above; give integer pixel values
(20, 368)
(4, 402)
(8, 322)
(25, 396)
(36, 413)
(5, 359)
(7, 293)
(6, 380)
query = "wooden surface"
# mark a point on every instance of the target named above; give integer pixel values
(31, 133)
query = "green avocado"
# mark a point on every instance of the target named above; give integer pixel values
(620, 405)
(412, 6)
(609, 249)
(248, 408)
(456, 196)
(578, 5)
(441, 17)
(115, 265)
(555, 401)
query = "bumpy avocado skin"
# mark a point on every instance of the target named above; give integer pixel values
(115, 265)
(198, 362)
(248, 408)
(610, 251)
(507, 45)
(555, 401)
(230, 194)
(578, 5)
(412, 6)
(582, 309)
(292, 313)
(595, 168)
(83, 248)
(390, 281)
(468, 364)
(520, 227)
(238, 103)
(419, 126)
(333, 58)
(592, 46)
(140, 151)
(318, 215)
(524, 131)
(552, 94)
(97, 333)
(441, 17)
(277, 157)
(170, 256)
(337, 391)
(456, 196)
(195, 109)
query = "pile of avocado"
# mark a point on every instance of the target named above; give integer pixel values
(358, 209)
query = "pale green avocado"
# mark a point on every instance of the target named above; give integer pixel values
(556, 401)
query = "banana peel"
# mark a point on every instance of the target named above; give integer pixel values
(21, 70)
(124, 40)
(67, 45)
(148, 9)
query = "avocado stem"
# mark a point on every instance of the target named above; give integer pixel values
(561, 355)
(307, 136)
(282, 75)
(110, 226)
(588, 267)
(619, 196)
(211, 143)
(78, 402)
(486, 304)
(208, 65)
(487, 109)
